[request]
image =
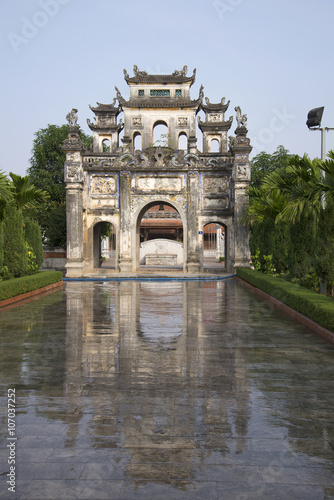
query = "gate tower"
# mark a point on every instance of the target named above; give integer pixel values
(116, 183)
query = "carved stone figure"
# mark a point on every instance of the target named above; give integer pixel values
(182, 72)
(137, 72)
(72, 117)
(201, 93)
(241, 119)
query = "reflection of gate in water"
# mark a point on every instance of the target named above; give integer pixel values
(214, 241)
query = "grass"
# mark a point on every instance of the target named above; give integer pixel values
(317, 307)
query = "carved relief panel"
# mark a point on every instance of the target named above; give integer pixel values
(102, 184)
(158, 184)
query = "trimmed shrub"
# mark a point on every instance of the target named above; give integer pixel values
(317, 307)
(13, 287)
(15, 253)
(33, 238)
(1, 245)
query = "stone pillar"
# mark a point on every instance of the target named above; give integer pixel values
(193, 248)
(74, 178)
(125, 257)
(241, 177)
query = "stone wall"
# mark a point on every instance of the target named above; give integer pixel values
(54, 258)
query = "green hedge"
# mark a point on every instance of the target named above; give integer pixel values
(17, 286)
(317, 307)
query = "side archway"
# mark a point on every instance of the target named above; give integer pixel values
(215, 246)
(104, 252)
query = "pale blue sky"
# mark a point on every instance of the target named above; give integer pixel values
(273, 58)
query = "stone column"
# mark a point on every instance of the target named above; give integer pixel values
(241, 177)
(74, 179)
(125, 257)
(193, 249)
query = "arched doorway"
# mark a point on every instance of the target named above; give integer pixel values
(104, 245)
(160, 242)
(214, 245)
(160, 134)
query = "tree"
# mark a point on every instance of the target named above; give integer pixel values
(47, 173)
(307, 188)
(15, 259)
(33, 238)
(264, 163)
(5, 192)
(25, 195)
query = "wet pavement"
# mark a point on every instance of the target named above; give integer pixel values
(154, 390)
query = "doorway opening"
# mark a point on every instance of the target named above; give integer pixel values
(214, 245)
(105, 245)
(161, 237)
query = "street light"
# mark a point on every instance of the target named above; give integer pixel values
(314, 123)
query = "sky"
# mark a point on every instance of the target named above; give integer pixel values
(273, 58)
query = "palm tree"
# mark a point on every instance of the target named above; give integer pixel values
(5, 191)
(26, 196)
(304, 185)
(298, 184)
(264, 204)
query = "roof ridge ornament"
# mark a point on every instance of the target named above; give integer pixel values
(201, 93)
(119, 96)
(137, 72)
(182, 72)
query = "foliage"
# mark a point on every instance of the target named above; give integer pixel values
(32, 266)
(289, 223)
(47, 161)
(53, 221)
(324, 256)
(5, 192)
(25, 195)
(15, 254)
(264, 163)
(14, 287)
(33, 238)
(47, 173)
(1, 245)
(317, 307)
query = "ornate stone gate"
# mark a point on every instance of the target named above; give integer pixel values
(116, 184)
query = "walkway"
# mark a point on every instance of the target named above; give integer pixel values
(175, 390)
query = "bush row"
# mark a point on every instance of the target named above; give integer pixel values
(317, 307)
(17, 286)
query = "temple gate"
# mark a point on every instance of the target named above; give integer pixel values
(113, 186)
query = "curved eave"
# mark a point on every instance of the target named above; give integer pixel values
(105, 128)
(219, 108)
(110, 108)
(214, 126)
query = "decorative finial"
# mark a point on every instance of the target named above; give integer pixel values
(126, 74)
(181, 72)
(137, 72)
(241, 119)
(201, 93)
(72, 117)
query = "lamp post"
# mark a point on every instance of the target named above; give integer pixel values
(314, 123)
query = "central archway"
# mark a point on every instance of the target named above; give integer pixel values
(160, 237)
